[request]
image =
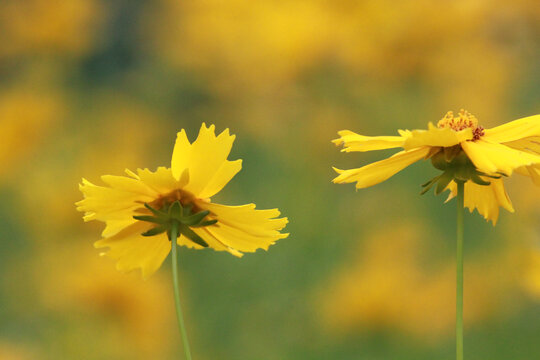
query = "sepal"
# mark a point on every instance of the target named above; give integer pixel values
(179, 216)
(457, 167)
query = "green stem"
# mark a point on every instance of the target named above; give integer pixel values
(459, 271)
(179, 316)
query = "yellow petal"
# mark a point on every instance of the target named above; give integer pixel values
(131, 174)
(485, 199)
(115, 226)
(514, 130)
(497, 185)
(215, 242)
(243, 228)
(181, 154)
(380, 171)
(162, 180)
(443, 137)
(529, 144)
(129, 185)
(119, 201)
(205, 161)
(133, 251)
(355, 142)
(105, 203)
(245, 214)
(532, 171)
(237, 240)
(223, 175)
(492, 158)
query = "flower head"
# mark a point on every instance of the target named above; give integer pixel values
(463, 150)
(136, 208)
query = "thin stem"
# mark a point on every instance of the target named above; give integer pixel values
(459, 271)
(179, 316)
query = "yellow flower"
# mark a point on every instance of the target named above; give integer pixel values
(463, 149)
(198, 171)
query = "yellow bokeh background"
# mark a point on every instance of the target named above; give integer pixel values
(91, 87)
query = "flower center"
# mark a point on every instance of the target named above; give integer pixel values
(463, 121)
(164, 201)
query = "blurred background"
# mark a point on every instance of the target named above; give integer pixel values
(91, 87)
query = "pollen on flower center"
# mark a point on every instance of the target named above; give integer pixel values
(463, 121)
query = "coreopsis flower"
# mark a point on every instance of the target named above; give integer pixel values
(138, 209)
(463, 150)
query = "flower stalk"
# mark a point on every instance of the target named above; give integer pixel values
(459, 271)
(179, 315)
(177, 219)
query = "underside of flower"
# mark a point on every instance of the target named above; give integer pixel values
(457, 167)
(463, 121)
(181, 218)
(176, 203)
(463, 150)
